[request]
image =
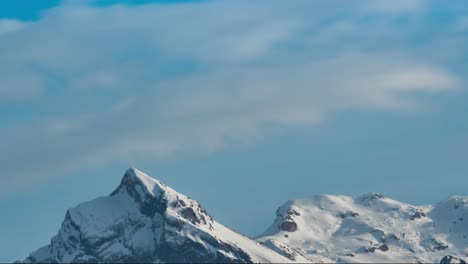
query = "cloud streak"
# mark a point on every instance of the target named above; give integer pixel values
(152, 81)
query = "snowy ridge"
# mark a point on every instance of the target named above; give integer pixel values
(145, 221)
(371, 228)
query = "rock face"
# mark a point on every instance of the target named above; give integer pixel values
(418, 215)
(145, 221)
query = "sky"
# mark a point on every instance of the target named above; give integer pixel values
(242, 105)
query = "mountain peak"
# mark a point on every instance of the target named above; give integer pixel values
(145, 221)
(138, 185)
(153, 196)
(133, 174)
(136, 173)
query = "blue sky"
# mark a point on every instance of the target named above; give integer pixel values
(239, 105)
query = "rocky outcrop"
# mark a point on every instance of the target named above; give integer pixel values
(452, 260)
(289, 226)
(418, 215)
(347, 214)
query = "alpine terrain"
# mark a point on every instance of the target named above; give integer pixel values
(144, 220)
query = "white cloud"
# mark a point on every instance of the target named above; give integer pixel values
(188, 78)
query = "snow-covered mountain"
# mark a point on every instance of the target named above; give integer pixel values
(370, 228)
(144, 220)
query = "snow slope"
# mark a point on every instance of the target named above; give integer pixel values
(144, 221)
(370, 228)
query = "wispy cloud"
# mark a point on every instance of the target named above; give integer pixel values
(151, 81)
(10, 25)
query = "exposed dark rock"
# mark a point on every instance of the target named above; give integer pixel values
(289, 226)
(392, 237)
(179, 203)
(437, 246)
(369, 199)
(452, 260)
(371, 249)
(347, 214)
(153, 205)
(418, 215)
(441, 247)
(293, 212)
(384, 248)
(189, 214)
(374, 196)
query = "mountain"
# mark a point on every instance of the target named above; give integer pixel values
(144, 221)
(370, 228)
